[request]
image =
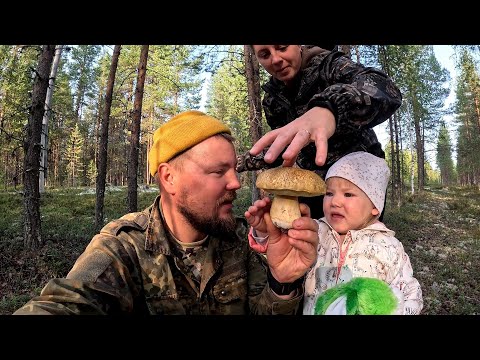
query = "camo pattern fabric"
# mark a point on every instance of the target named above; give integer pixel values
(360, 98)
(129, 267)
(248, 162)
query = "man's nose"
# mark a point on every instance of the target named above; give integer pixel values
(233, 180)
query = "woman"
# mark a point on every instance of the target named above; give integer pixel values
(320, 105)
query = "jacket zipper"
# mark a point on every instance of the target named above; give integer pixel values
(343, 254)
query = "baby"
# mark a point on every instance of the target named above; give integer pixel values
(353, 242)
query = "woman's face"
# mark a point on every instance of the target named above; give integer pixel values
(281, 61)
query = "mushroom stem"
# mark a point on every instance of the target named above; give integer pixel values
(284, 210)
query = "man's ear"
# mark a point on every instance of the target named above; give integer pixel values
(166, 177)
(375, 212)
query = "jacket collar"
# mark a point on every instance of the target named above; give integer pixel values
(377, 226)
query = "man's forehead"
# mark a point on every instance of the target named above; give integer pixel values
(213, 151)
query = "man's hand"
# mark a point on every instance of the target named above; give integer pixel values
(291, 254)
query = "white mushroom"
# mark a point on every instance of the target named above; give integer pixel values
(287, 184)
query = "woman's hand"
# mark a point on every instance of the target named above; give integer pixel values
(317, 124)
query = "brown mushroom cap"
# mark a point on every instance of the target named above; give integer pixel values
(291, 181)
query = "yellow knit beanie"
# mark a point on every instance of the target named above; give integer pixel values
(181, 133)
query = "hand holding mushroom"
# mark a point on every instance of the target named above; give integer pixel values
(290, 254)
(255, 218)
(287, 184)
(293, 238)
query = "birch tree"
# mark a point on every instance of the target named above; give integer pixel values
(46, 117)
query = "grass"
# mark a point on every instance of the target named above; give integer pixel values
(439, 229)
(68, 219)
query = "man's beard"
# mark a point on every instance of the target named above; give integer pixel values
(210, 224)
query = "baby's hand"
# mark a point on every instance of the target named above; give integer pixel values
(258, 245)
(254, 215)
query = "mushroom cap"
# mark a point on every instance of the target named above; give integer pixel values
(291, 181)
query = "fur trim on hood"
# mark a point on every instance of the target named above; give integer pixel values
(309, 51)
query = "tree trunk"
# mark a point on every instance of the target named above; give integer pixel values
(103, 145)
(477, 111)
(412, 172)
(393, 144)
(254, 105)
(132, 165)
(418, 142)
(32, 223)
(420, 155)
(398, 151)
(46, 117)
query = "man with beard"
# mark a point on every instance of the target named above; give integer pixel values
(186, 253)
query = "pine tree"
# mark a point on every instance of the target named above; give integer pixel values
(73, 154)
(444, 157)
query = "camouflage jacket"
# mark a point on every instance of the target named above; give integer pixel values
(360, 97)
(129, 267)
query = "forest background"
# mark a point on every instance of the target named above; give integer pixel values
(88, 113)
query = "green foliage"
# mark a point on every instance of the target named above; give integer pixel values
(174, 82)
(467, 108)
(432, 176)
(227, 96)
(16, 64)
(83, 74)
(9, 304)
(174, 79)
(409, 166)
(72, 155)
(91, 173)
(243, 201)
(425, 86)
(444, 157)
(68, 218)
(11, 204)
(61, 121)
